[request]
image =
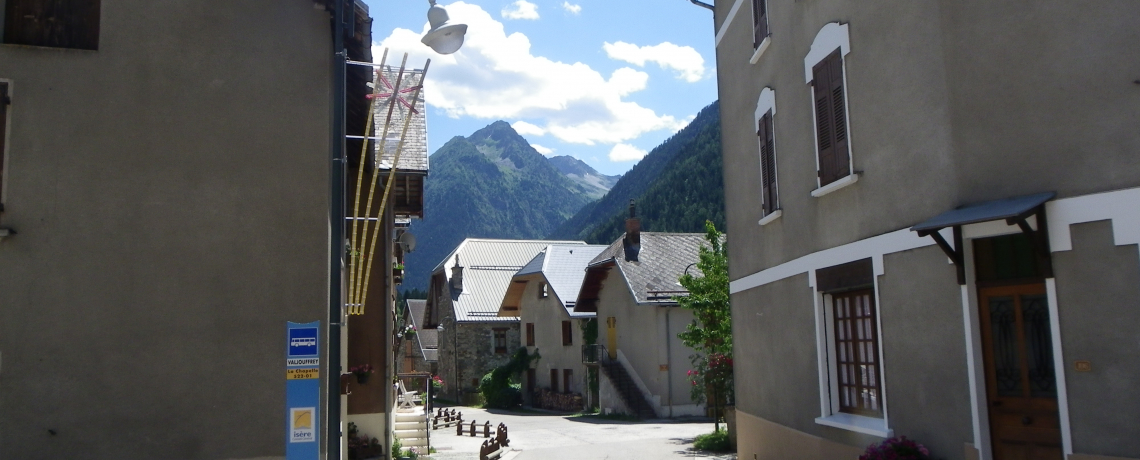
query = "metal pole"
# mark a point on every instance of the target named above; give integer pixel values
(336, 233)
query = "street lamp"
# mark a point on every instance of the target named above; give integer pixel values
(444, 36)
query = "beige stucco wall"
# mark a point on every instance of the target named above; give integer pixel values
(648, 344)
(170, 191)
(547, 314)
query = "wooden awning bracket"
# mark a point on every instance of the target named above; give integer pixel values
(1039, 238)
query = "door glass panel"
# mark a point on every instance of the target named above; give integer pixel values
(1003, 326)
(1039, 346)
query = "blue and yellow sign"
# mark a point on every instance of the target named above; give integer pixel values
(302, 390)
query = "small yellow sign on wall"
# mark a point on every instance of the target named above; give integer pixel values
(1083, 366)
(302, 374)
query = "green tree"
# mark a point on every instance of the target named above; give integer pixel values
(710, 333)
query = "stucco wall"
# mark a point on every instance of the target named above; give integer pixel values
(170, 191)
(547, 314)
(1098, 297)
(927, 391)
(642, 339)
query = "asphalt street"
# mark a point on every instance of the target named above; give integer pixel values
(549, 436)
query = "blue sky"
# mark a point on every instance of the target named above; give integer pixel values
(604, 81)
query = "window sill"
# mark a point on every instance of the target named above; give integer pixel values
(850, 179)
(771, 217)
(760, 49)
(857, 423)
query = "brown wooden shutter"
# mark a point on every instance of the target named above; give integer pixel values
(567, 377)
(554, 380)
(4, 101)
(567, 336)
(55, 23)
(831, 119)
(768, 163)
(530, 334)
(759, 21)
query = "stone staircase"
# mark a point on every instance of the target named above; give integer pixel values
(411, 427)
(596, 355)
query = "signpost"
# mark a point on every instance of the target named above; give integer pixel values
(302, 390)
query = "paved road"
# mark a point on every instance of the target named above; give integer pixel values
(543, 436)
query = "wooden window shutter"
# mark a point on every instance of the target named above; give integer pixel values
(554, 380)
(831, 119)
(759, 21)
(54, 23)
(768, 163)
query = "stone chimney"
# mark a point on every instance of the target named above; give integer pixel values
(632, 240)
(457, 275)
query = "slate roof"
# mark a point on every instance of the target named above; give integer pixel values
(662, 260)
(414, 156)
(488, 266)
(429, 338)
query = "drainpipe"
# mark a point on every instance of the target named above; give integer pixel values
(336, 233)
(668, 363)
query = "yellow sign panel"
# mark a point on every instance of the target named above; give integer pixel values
(295, 374)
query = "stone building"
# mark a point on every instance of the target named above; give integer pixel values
(464, 295)
(934, 220)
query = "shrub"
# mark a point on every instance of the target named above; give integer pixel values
(896, 449)
(716, 441)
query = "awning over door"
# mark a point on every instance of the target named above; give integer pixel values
(1014, 211)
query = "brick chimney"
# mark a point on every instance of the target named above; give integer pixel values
(457, 275)
(632, 240)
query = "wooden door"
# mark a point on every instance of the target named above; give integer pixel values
(1020, 381)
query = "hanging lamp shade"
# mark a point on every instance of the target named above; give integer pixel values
(444, 37)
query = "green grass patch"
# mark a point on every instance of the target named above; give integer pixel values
(716, 441)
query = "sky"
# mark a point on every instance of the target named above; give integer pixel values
(604, 81)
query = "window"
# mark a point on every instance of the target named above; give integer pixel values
(768, 164)
(530, 381)
(567, 334)
(554, 380)
(53, 23)
(530, 334)
(824, 71)
(567, 377)
(759, 22)
(856, 353)
(852, 377)
(831, 119)
(500, 340)
(543, 290)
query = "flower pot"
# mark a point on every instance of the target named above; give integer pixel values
(362, 378)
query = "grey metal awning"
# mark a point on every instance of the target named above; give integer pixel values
(1014, 211)
(1017, 208)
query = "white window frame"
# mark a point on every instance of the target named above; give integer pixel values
(830, 37)
(766, 104)
(830, 415)
(764, 44)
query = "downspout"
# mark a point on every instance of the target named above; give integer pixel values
(668, 363)
(336, 234)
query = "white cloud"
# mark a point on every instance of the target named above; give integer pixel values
(626, 152)
(685, 60)
(520, 9)
(543, 150)
(495, 76)
(571, 8)
(525, 128)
